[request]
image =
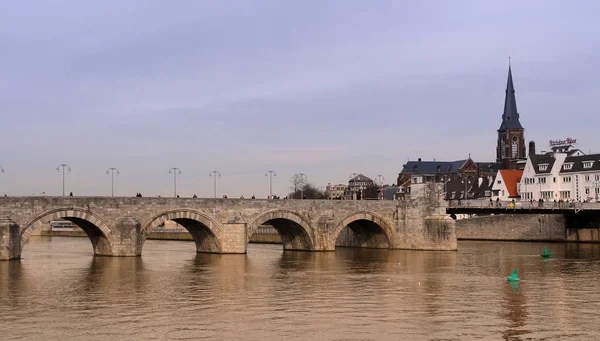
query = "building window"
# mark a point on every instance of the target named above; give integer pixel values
(502, 192)
(542, 180)
(587, 178)
(568, 166)
(567, 179)
(565, 194)
(547, 194)
(588, 164)
(587, 190)
(597, 177)
(554, 179)
(499, 182)
(543, 167)
(515, 148)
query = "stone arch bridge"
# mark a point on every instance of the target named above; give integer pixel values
(119, 226)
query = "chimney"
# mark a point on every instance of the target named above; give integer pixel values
(419, 159)
(531, 148)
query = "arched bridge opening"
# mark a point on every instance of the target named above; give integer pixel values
(294, 230)
(95, 227)
(205, 231)
(365, 230)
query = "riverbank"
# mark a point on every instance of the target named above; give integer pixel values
(263, 235)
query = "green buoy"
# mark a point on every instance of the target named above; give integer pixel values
(546, 254)
(514, 277)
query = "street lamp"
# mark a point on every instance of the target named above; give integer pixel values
(174, 171)
(301, 180)
(214, 174)
(271, 174)
(379, 179)
(466, 181)
(112, 171)
(63, 166)
(446, 180)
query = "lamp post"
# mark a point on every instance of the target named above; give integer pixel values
(214, 174)
(301, 179)
(445, 180)
(596, 184)
(271, 174)
(379, 179)
(174, 170)
(466, 181)
(112, 171)
(63, 166)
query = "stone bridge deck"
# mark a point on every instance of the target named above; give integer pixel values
(119, 226)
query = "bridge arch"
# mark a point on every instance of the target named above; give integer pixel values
(205, 230)
(365, 229)
(96, 228)
(295, 231)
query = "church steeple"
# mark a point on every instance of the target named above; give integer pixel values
(511, 135)
(510, 117)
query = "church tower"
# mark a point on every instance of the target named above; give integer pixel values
(511, 135)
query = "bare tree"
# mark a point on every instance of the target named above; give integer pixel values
(298, 181)
(309, 191)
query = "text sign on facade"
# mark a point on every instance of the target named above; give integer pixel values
(566, 142)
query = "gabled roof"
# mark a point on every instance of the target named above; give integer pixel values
(577, 163)
(511, 178)
(537, 160)
(432, 167)
(360, 178)
(510, 117)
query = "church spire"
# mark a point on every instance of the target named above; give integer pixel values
(510, 117)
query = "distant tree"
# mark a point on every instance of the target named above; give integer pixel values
(371, 192)
(298, 182)
(309, 191)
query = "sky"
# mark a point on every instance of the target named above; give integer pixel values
(325, 88)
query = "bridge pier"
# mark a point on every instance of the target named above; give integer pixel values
(10, 241)
(233, 239)
(127, 242)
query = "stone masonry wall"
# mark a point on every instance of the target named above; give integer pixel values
(119, 226)
(513, 227)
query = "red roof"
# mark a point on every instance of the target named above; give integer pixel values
(511, 178)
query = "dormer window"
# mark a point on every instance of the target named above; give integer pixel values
(568, 166)
(543, 167)
(588, 164)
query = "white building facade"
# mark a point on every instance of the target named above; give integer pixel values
(561, 175)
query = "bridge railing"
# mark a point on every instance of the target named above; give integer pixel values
(522, 205)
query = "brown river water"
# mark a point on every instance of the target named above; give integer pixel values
(60, 291)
